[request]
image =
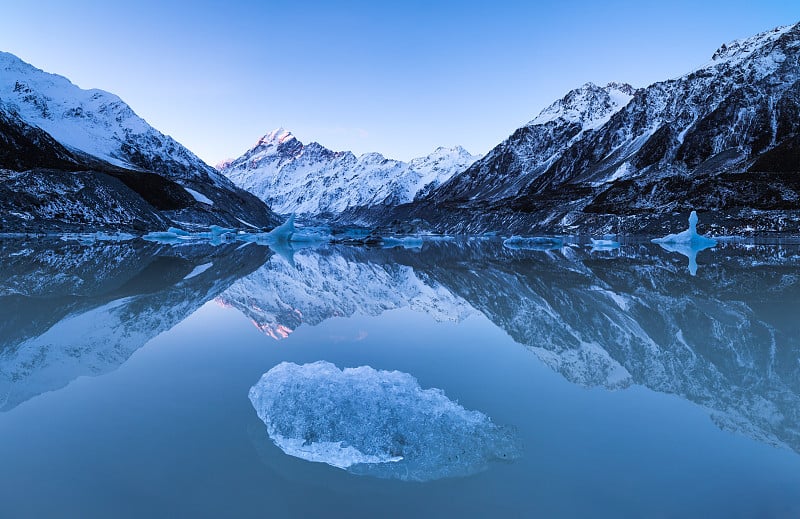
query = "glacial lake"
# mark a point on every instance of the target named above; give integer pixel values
(460, 378)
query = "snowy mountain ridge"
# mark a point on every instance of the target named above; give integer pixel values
(93, 122)
(590, 105)
(51, 129)
(615, 159)
(512, 165)
(736, 51)
(312, 180)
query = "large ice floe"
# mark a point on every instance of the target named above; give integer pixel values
(688, 243)
(216, 235)
(376, 423)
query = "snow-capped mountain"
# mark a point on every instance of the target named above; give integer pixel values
(722, 138)
(515, 163)
(312, 180)
(47, 122)
(93, 122)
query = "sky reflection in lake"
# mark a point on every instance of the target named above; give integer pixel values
(630, 385)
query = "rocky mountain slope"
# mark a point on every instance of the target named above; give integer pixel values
(312, 180)
(722, 139)
(51, 128)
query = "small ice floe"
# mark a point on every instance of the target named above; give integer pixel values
(688, 243)
(288, 232)
(311, 235)
(163, 237)
(172, 236)
(533, 243)
(406, 242)
(216, 235)
(376, 423)
(604, 244)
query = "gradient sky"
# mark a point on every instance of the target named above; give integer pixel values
(401, 78)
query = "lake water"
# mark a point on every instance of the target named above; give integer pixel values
(140, 380)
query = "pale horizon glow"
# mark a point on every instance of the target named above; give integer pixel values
(400, 80)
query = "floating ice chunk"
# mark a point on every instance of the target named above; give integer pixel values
(688, 243)
(284, 231)
(533, 243)
(376, 423)
(311, 235)
(162, 237)
(407, 242)
(604, 244)
(216, 230)
(689, 236)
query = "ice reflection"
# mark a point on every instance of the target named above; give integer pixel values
(727, 339)
(689, 250)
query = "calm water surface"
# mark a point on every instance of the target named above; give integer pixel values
(139, 380)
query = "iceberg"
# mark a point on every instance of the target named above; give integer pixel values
(689, 236)
(533, 243)
(376, 423)
(284, 231)
(215, 235)
(688, 243)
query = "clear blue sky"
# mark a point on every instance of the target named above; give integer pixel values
(400, 78)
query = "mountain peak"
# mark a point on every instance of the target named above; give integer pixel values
(275, 137)
(740, 49)
(625, 88)
(588, 105)
(311, 179)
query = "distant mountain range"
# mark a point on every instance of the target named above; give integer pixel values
(73, 158)
(312, 180)
(724, 138)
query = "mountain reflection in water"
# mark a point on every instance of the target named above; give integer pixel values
(726, 339)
